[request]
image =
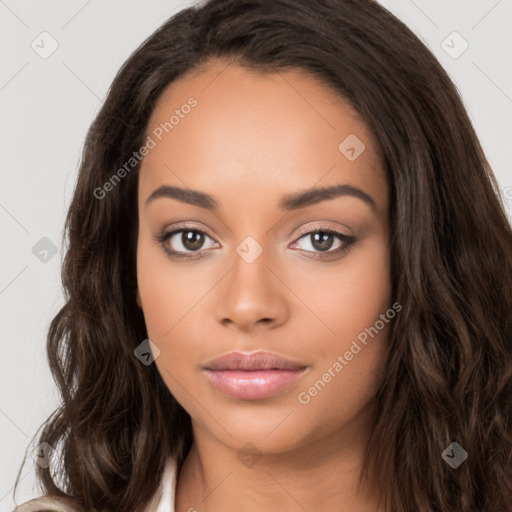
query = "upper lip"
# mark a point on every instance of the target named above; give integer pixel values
(255, 361)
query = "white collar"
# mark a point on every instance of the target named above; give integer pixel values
(164, 500)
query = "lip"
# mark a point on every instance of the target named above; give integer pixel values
(252, 376)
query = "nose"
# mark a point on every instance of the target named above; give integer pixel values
(252, 296)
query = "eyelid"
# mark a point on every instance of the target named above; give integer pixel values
(321, 227)
(303, 231)
(188, 225)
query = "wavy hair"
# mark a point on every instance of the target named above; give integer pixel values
(448, 372)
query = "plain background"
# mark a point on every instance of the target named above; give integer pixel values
(47, 106)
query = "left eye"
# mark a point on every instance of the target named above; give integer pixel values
(322, 240)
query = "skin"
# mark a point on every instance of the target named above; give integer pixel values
(250, 140)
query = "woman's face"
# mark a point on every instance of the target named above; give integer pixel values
(257, 269)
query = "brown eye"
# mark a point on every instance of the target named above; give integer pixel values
(192, 240)
(320, 243)
(322, 240)
(183, 243)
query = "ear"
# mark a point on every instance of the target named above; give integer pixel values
(139, 303)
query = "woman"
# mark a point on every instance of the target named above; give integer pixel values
(289, 278)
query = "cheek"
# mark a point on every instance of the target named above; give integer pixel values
(351, 354)
(339, 392)
(352, 297)
(156, 292)
(169, 297)
(165, 315)
(167, 291)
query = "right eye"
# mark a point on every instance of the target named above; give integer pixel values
(184, 242)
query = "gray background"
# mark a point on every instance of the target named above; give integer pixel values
(47, 106)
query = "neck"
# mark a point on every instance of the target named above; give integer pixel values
(322, 471)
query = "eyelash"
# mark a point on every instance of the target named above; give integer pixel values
(348, 242)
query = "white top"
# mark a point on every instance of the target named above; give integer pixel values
(163, 500)
(166, 494)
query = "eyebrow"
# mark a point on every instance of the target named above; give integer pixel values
(288, 202)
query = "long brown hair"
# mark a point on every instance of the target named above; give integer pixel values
(448, 372)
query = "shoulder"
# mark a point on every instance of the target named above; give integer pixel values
(163, 501)
(47, 503)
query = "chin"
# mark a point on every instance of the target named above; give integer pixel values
(272, 429)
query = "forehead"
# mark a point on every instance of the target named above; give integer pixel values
(250, 133)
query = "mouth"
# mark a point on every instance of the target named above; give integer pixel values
(253, 376)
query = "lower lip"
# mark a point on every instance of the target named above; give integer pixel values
(253, 385)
